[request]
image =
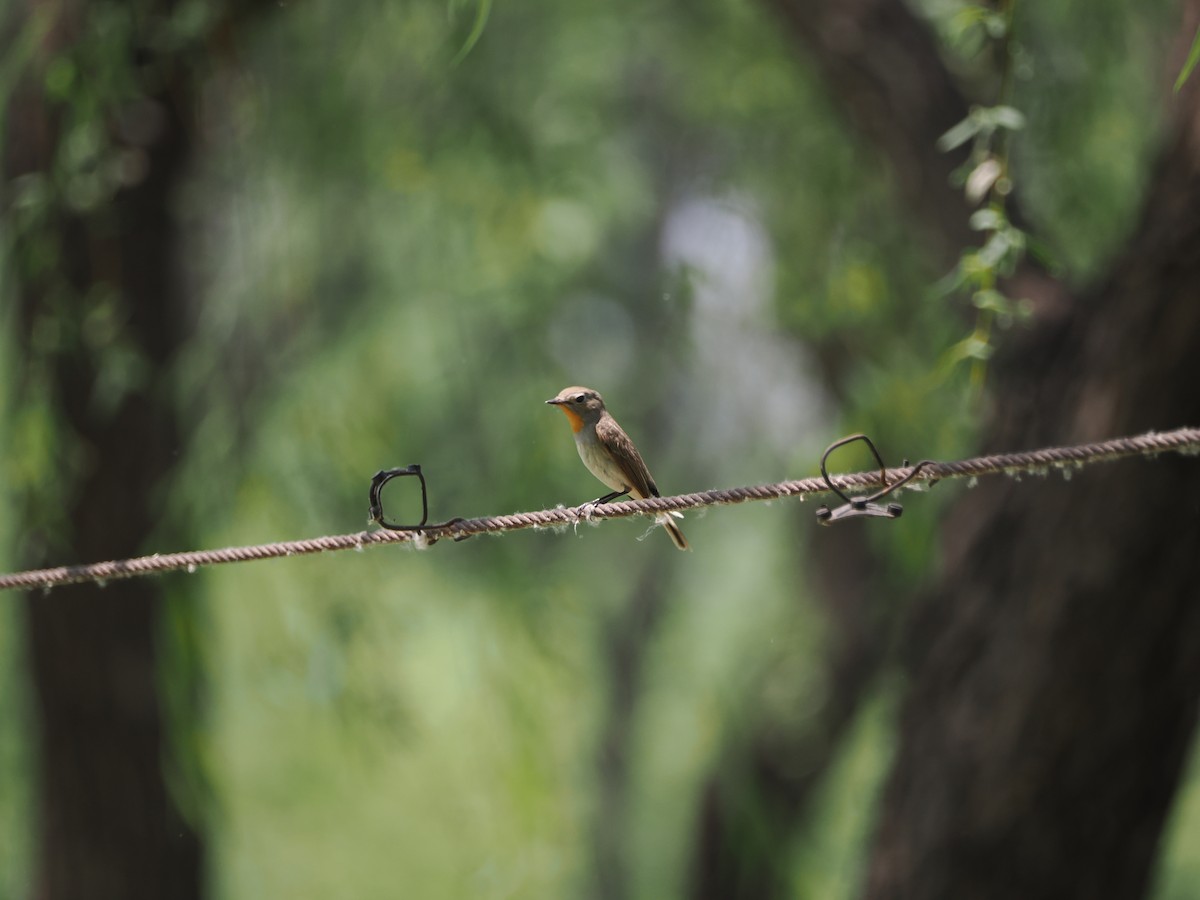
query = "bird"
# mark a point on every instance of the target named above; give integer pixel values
(608, 452)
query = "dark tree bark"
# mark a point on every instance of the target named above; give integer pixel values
(1056, 667)
(98, 286)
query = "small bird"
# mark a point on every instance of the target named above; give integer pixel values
(608, 452)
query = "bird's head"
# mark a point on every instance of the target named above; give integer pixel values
(581, 405)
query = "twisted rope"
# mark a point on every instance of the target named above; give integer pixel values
(1183, 440)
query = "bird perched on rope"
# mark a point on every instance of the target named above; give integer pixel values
(608, 452)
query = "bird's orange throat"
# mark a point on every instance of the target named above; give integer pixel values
(573, 418)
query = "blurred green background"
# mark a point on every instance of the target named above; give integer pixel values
(398, 251)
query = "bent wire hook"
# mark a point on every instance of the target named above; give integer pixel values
(854, 507)
(382, 477)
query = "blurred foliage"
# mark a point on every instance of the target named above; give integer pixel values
(1091, 126)
(16, 836)
(1189, 65)
(398, 252)
(1179, 872)
(16, 751)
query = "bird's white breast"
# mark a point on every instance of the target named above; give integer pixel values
(598, 461)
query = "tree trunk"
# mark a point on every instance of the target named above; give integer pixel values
(100, 313)
(1056, 667)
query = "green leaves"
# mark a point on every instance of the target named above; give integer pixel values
(981, 123)
(972, 25)
(984, 177)
(483, 9)
(1002, 251)
(979, 270)
(987, 220)
(1005, 309)
(1193, 58)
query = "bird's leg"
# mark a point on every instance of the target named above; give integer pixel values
(585, 509)
(607, 497)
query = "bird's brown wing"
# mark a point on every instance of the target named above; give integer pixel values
(634, 467)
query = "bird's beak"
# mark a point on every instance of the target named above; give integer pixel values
(554, 401)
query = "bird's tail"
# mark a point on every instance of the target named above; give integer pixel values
(674, 533)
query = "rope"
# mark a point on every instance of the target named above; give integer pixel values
(1184, 440)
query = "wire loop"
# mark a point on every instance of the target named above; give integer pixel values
(382, 477)
(854, 507)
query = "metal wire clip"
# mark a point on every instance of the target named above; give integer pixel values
(382, 477)
(854, 507)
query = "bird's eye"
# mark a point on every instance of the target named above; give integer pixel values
(579, 398)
